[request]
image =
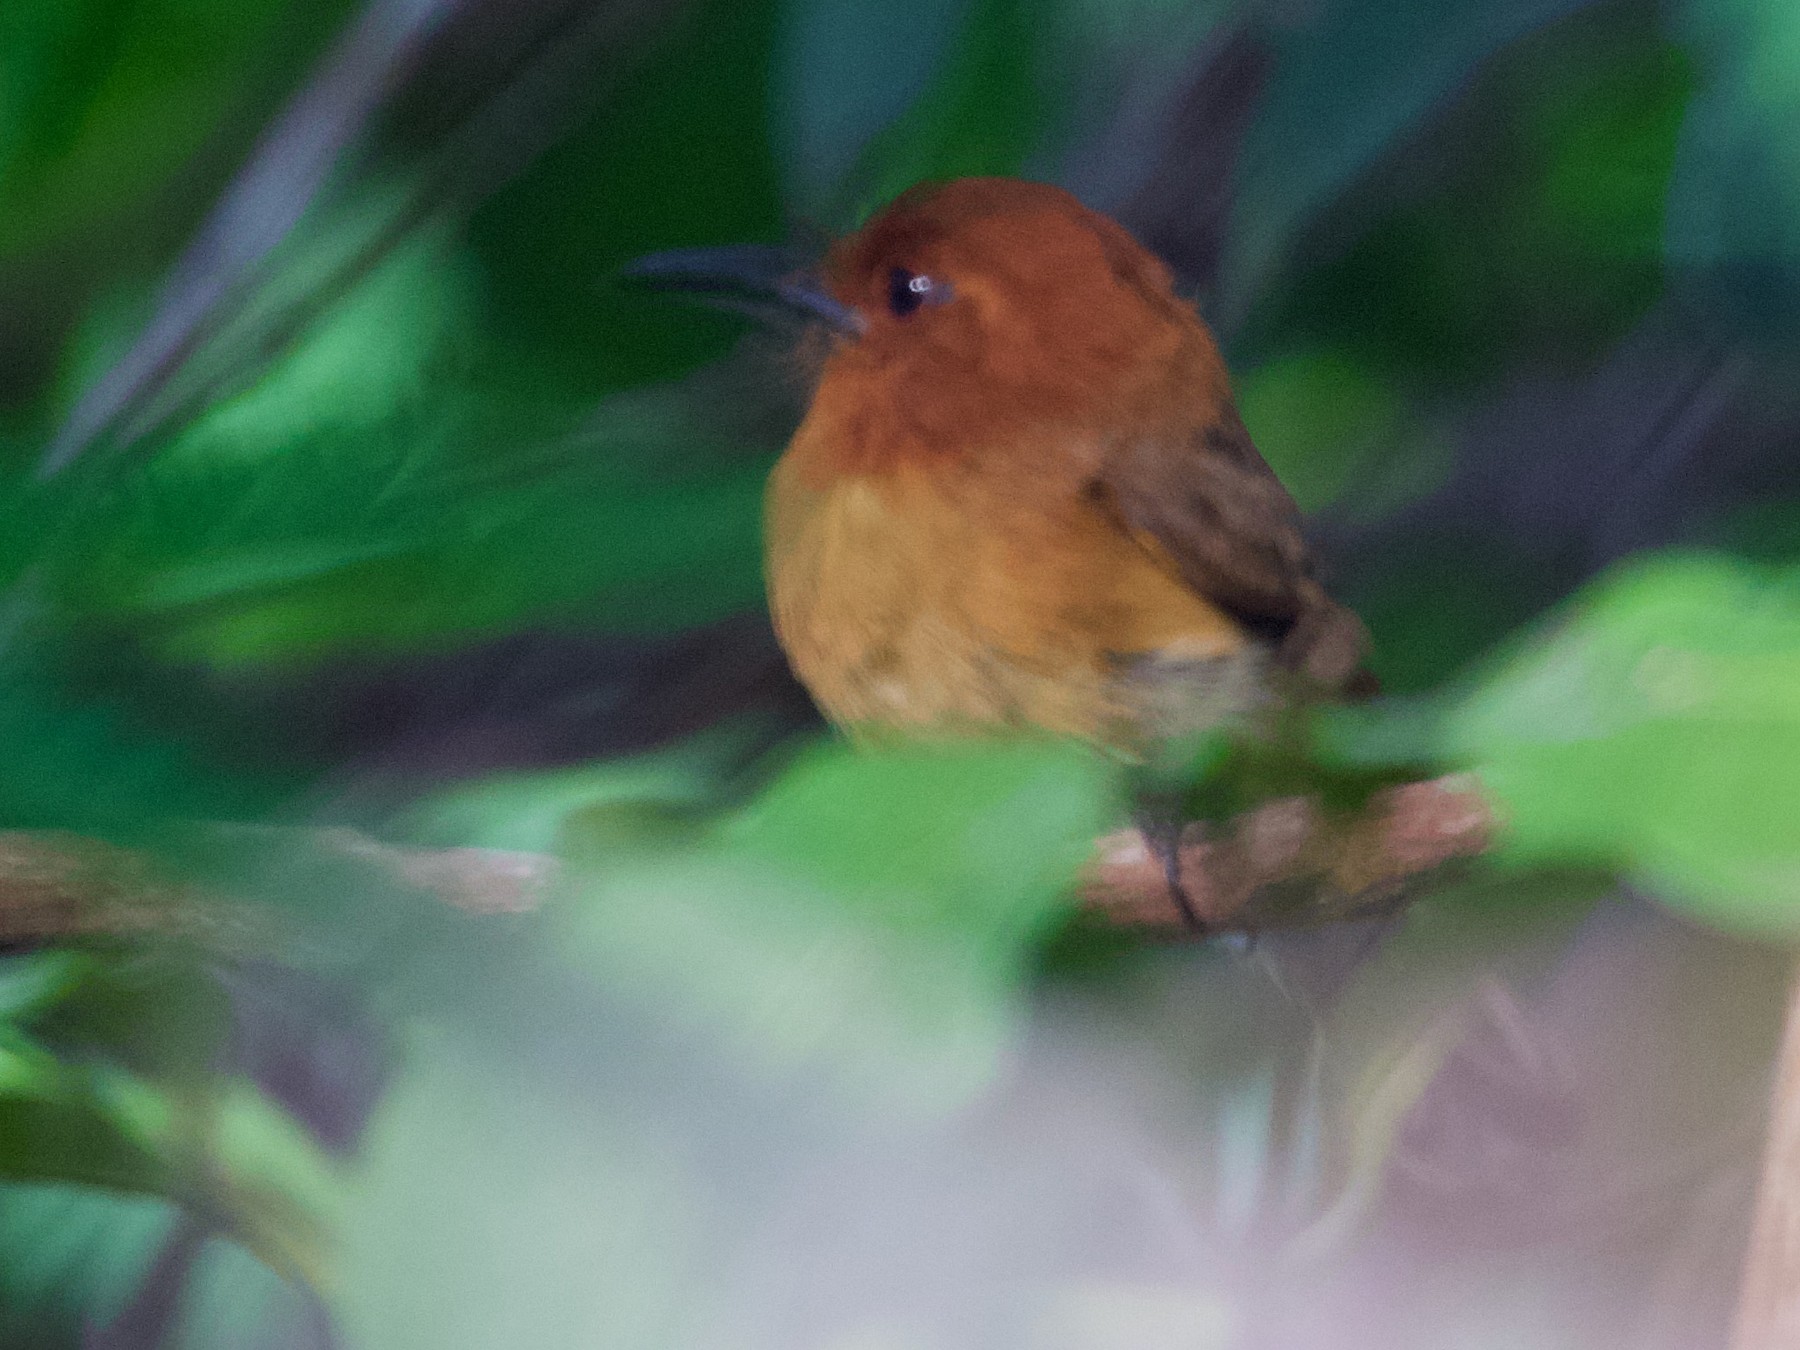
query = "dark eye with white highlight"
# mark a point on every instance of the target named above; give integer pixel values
(907, 291)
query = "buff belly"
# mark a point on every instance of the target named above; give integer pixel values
(903, 607)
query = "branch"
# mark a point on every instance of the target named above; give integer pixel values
(478, 880)
(1291, 863)
(1287, 863)
(57, 885)
(1768, 1314)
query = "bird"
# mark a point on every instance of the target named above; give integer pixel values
(1021, 497)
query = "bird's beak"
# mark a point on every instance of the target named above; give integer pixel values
(747, 277)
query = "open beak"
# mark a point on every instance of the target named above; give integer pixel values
(747, 277)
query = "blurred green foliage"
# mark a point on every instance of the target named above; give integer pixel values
(422, 422)
(1321, 418)
(105, 102)
(678, 152)
(1526, 225)
(118, 122)
(983, 113)
(1654, 730)
(1732, 200)
(1647, 728)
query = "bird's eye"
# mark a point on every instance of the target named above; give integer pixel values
(907, 291)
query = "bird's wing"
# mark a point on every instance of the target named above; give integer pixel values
(1214, 511)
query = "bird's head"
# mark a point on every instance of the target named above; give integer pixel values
(990, 303)
(969, 312)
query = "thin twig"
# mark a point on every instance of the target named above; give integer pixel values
(1291, 863)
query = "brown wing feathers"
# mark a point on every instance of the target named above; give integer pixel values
(1218, 513)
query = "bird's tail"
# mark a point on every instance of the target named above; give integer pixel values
(1327, 646)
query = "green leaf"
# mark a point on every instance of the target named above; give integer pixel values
(319, 538)
(31, 982)
(119, 1088)
(1325, 421)
(1522, 223)
(84, 764)
(589, 807)
(100, 100)
(1655, 729)
(64, 1124)
(70, 1257)
(97, 1126)
(284, 1195)
(379, 351)
(974, 835)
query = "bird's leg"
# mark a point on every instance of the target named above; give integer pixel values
(1164, 794)
(1162, 830)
